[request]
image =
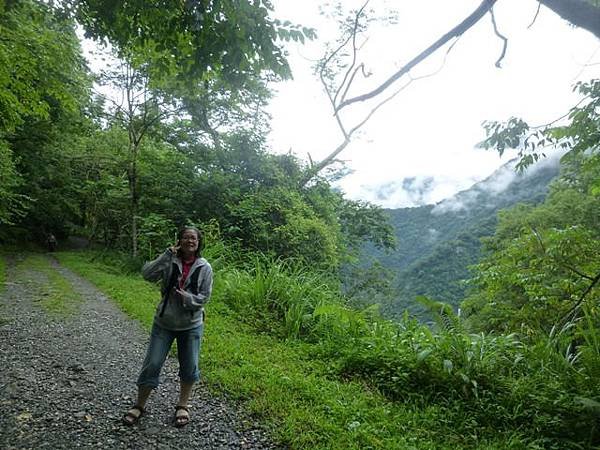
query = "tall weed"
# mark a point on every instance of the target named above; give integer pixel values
(497, 380)
(590, 348)
(281, 297)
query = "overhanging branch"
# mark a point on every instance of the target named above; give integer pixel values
(458, 30)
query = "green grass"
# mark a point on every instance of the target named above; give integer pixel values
(284, 386)
(50, 289)
(133, 294)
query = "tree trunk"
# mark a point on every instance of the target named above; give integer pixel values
(580, 13)
(134, 198)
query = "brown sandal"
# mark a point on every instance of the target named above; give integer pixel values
(131, 419)
(183, 420)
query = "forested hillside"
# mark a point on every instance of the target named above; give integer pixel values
(437, 243)
(294, 328)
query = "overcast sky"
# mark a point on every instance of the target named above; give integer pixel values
(420, 148)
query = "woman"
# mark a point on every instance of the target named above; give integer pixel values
(186, 287)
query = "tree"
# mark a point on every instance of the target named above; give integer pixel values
(44, 91)
(344, 60)
(10, 201)
(581, 13)
(139, 109)
(103, 194)
(194, 57)
(255, 198)
(534, 142)
(578, 12)
(542, 270)
(199, 114)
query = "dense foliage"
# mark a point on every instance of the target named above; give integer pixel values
(122, 173)
(542, 267)
(43, 90)
(175, 36)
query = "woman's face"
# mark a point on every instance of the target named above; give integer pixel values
(189, 242)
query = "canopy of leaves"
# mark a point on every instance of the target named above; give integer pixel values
(197, 39)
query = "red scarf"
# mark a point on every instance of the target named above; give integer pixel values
(185, 270)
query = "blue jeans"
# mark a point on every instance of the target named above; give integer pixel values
(188, 350)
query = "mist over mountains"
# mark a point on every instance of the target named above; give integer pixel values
(437, 243)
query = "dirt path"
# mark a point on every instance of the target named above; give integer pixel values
(66, 381)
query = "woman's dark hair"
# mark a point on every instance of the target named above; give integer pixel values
(198, 233)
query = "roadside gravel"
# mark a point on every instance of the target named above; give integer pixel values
(66, 381)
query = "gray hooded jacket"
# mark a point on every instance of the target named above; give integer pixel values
(180, 312)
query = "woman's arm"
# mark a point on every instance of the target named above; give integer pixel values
(205, 282)
(153, 270)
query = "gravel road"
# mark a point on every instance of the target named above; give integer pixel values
(66, 381)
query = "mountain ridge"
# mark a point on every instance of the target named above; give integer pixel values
(437, 243)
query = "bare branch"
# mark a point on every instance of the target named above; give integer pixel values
(316, 168)
(353, 70)
(439, 69)
(347, 135)
(501, 36)
(354, 52)
(549, 124)
(576, 306)
(458, 30)
(118, 106)
(383, 102)
(537, 12)
(338, 119)
(324, 65)
(360, 67)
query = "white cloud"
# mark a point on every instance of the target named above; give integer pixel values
(502, 178)
(460, 202)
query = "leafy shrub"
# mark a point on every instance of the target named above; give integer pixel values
(279, 222)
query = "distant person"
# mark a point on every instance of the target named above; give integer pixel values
(186, 287)
(51, 242)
